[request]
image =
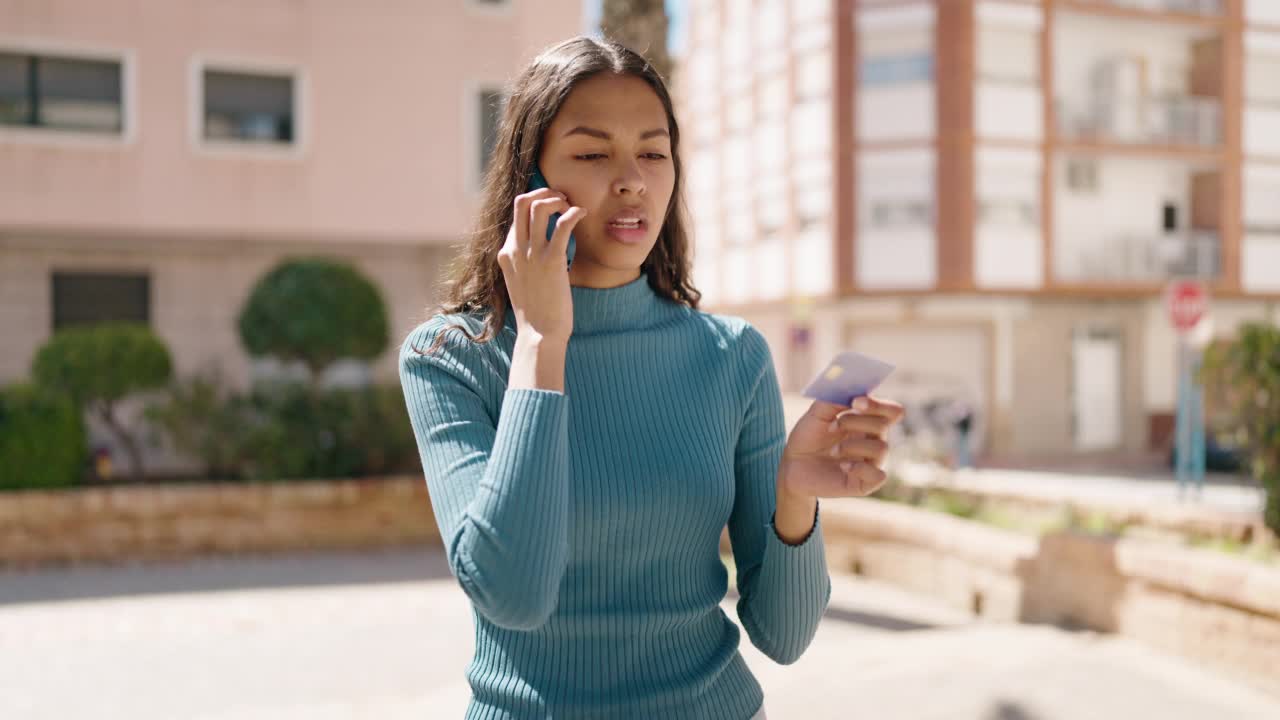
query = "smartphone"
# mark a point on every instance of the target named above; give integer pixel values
(538, 181)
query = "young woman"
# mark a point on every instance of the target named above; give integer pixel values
(589, 433)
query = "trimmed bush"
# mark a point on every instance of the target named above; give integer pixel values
(316, 311)
(42, 439)
(98, 365)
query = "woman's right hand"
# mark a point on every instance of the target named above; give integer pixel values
(534, 269)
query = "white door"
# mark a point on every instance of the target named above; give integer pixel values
(1096, 375)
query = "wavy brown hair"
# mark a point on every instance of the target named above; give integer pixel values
(475, 280)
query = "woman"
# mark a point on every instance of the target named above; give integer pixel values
(590, 432)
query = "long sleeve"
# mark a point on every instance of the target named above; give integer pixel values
(784, 588)
(499, 490)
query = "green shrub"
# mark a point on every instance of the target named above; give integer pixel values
(288, 431)
(316, 311)
(297, 433)
(1244, 374)
(42, 439)
(98, 365)
(204, 421)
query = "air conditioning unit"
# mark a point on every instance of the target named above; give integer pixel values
(1082, 175)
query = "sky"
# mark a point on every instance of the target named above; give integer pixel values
(676, 13)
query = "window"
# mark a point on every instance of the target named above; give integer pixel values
(1262, 80)
(61, 93)
(490, 115)
(813, 76)
(249, 107)
(81, 298)
(1008, 55)
(1008, 212)
(897, 69)
(889, 213)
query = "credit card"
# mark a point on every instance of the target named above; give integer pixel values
(847, 376)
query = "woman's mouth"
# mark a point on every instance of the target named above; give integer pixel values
(627, 230)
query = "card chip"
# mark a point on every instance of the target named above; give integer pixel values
(835, 372)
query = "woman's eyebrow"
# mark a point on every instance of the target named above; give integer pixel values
(583, 130)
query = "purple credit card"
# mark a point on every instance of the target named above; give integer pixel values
(847, 376)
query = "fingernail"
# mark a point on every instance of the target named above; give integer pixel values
(835, 451)
(834, 426)
(861, 404)
(846, 465)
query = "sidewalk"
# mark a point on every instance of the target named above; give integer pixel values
(346, 636)
(1221, 497)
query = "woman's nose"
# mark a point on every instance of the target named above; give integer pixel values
(629, 182)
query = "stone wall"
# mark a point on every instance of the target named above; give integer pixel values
(128, 523)
(1210, 607)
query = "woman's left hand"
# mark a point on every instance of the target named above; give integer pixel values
(837, 450)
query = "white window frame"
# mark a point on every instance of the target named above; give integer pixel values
(295, 150)
(79, 138)
(472, 173)
(489, 9)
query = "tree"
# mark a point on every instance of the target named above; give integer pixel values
(640, 25)
(1245, 374)
(315, 311)
(98, 365)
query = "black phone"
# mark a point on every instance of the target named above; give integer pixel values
(537, 181)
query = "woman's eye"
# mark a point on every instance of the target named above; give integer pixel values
(655, 156)
(590, 156)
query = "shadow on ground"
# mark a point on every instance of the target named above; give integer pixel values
(1006, 710)
(880, 621)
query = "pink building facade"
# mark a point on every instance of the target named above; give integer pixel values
(157, 157)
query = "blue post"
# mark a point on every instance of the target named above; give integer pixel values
(1182, 427)
(1189, 451)
(1197, 422)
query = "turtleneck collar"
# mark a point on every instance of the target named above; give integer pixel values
(625, 307)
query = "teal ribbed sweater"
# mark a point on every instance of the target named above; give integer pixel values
(585, 525)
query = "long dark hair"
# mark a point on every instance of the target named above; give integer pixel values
(475, 280)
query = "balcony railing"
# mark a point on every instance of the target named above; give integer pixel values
(1171, 120)
(1147, 259)
(1191, 7)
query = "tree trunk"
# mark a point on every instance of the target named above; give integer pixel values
(640, 25)
(106, 411)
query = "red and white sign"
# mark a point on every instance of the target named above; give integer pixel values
(1188, 301)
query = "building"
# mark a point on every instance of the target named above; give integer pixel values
(991, 194)
(156, 158)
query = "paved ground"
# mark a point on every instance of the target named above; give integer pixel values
(386, 635)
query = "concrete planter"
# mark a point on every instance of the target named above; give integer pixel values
(1209, 607)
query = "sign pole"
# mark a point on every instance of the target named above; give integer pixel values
(1197, 422)
(1188, 307)
(1182, 436)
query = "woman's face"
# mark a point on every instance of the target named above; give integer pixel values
(608, 150)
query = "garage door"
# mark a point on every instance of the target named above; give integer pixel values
(937, 367)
